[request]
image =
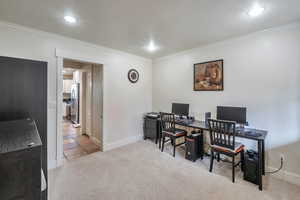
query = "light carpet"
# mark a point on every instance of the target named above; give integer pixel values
(140, 171)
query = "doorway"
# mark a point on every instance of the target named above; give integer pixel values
(82, 108)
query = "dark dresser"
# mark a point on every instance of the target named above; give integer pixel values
(20, 160)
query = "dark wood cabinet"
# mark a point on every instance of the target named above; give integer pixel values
(23, 89)
(151, 128)
(20, 160)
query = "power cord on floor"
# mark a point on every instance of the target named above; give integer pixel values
(277, 170)
(271, 172)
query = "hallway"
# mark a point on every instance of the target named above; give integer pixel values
(76, 145)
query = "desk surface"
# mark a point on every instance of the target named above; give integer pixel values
(241, 132)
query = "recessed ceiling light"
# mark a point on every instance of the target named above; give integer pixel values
(256, 10)
(70, 19)
(152, 47)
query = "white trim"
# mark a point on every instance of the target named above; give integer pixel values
(79, 56)
(60, 54)
(52, 164)
(59, 99)
(286, 176)
(94, 139)
(121, 143)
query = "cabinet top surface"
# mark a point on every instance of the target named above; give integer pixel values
(18, 135)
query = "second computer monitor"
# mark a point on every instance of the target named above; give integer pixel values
(237, 114)
(180, 109)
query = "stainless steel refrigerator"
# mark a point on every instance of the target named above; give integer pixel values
(75, 104)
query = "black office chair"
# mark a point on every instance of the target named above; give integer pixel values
(169, 130)
(222, 138)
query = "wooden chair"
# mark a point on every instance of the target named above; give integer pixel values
(222, 137)
(169, 130)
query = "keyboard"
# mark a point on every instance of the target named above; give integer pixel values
(253, 134)
(184, 121)
(248, 132)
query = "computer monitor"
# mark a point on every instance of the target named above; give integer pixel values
(237, 114)
(180, 109)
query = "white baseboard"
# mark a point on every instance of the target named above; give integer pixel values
(52, 164)
(95, 140)
(286, 176)
(121, 143)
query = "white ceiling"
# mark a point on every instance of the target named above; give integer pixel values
(129, 25)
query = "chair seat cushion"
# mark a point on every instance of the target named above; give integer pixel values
(237, 148)
(178, 132)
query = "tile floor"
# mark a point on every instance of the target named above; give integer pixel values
(76, 145)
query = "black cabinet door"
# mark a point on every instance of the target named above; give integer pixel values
(150, 128)
(21, 175)
(23, 90)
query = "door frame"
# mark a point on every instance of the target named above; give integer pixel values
(79, 56)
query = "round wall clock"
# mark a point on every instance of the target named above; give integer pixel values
(133, 76)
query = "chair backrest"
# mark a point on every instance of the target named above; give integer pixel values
(222, 133)
(167, 122)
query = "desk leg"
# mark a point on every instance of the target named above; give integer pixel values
(202, 143)
(263, 158)
(260, 160)
(159, 138)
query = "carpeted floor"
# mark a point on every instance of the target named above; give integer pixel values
(141, 172)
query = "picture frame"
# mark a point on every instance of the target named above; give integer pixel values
(209, 76)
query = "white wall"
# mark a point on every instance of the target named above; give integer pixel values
(67, 84)
(124, 103)
(261, 72)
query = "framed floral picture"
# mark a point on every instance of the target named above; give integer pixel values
(208, 76)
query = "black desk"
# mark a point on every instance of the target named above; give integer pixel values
(241, 133)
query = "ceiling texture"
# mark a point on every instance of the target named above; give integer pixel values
(129, 25)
